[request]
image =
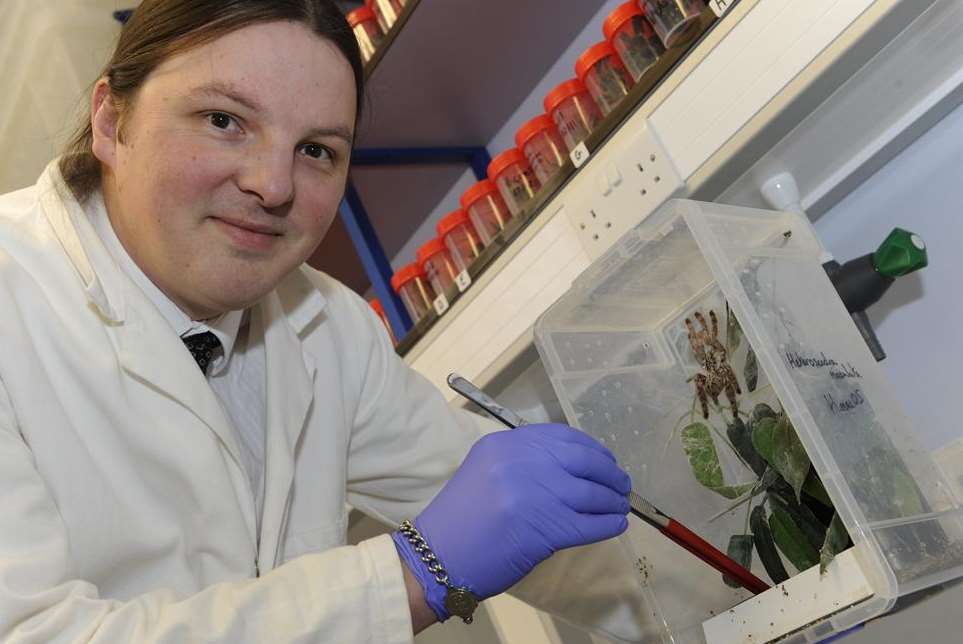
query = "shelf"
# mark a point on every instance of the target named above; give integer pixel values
(758, 73)
(545, 197)
(457, 89)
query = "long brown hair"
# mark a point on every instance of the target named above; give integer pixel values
(159, 29)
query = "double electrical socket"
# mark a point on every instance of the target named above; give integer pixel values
(623, 186)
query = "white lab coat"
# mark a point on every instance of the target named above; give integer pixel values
(125, 512)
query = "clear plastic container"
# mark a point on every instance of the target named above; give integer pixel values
(365, 25)
(387, 11)
(486, 209)
(633, 38)
(543, 147)
(460, 238)
(380, 311)
(705, 301)
(411, 284)
(438, 265)
(513, 175)
(602, 72)
(575, 113)
(675, 21)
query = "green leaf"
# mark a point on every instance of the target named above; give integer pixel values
(809, 523)
(791, 540)
(837, 539)
(751, 370)
(733, 491)
(704, 461)
(701, 451)
(733, 331)
(777, 442)
(762, 432)
(760, 411)
(906, 495)
(740, 551)
(740, 438)
(765, 546)
(814, 488)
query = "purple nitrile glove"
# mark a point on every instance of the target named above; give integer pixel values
(519, 496)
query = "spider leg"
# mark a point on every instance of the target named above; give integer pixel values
(700, 386)
(695, 341)
(732, 386)
(715, 324)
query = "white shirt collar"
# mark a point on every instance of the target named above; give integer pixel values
(225, 326)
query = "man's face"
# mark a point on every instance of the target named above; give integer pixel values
(233, 163)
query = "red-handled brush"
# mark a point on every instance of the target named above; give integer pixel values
(640, 507)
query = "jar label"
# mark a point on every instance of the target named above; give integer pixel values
(580, 155)
(463, 281)
(719, 7)
(441, 304)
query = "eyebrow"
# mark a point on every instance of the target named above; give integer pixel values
(225, 90)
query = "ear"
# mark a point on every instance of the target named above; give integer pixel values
(105, 123)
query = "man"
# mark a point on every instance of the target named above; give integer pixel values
(185, 410)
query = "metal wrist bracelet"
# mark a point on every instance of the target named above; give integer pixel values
(459, 601)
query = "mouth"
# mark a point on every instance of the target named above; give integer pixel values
(247, 234)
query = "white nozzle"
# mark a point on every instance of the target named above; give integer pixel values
(781, 192)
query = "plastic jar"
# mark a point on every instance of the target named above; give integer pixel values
(380, 311)
(387, 11)
(633, 38)
(573, 110)
(437, 263)
(411, 284)
(674, 20)
(365, 25)
(485, 208)
(543, 147)
(510, 171)
(460, 237)
(602, 72)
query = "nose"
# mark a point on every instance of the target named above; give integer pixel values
(268, 174)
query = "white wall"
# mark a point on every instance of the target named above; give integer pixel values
(50, 54)
(505, 138)
(919, 319)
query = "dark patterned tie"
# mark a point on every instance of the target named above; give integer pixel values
(202, 346)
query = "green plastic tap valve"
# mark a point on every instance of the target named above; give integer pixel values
(901, 253)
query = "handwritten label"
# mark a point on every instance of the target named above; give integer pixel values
(580, 155)
(463, 281)
(441, 304)
(719, 7)
(837, 371)
(854, 400)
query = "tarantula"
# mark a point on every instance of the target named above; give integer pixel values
(718, 376)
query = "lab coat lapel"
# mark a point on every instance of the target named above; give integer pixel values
(290, 393)
(150, 351)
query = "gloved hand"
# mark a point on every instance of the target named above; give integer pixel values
(519, 496)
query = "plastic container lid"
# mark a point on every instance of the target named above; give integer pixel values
(405, 275)
(376, 305)
(360, 15)
(429, 250)
(590, 56)
(503, 160)
(618, 17)
(566, 90)
(534, 127)
(451, 221)
(476, 192)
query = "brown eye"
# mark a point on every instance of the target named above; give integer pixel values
(316, 151)
(220, 120)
